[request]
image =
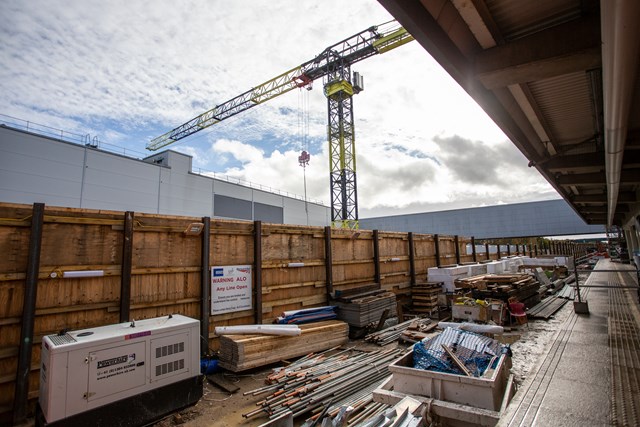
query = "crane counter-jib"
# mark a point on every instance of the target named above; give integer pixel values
(367, 43)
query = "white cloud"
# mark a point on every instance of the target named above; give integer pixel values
(244, 153)
(128, 71)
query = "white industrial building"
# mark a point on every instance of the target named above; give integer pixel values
(43, 169)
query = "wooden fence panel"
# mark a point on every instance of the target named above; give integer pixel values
(394, 262)
(166, 271)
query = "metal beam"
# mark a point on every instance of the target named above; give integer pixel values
(598, 178)
(603, 209)
(21, 390)
(412, 259)
(376, 257)
(205, 285)
(576, 162)
(566, 48)
(125, 276)
(627, 197)
(257, 262)
(328, 263)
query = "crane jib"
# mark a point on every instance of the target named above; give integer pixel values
(333, 59)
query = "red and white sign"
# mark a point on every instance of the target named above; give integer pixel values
(230, 289)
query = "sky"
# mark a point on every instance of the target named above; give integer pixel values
(128, 71)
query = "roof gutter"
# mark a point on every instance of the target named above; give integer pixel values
(620, 52)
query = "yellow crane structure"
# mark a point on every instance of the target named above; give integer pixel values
(333, 65)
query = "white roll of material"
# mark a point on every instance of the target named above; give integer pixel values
(285, 330)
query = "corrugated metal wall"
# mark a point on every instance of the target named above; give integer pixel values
(547, 218)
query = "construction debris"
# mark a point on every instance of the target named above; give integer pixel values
(242, 352)
(502, 286)
(457, 351)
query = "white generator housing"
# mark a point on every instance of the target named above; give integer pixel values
(86, 369)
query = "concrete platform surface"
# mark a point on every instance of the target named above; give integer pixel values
(590, 375)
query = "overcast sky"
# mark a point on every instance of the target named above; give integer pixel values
(128, 71)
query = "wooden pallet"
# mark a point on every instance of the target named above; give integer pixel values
(424, 297)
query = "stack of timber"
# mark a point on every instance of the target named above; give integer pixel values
(424, 297)
(523, 287)
(242, 352)
(362, 310)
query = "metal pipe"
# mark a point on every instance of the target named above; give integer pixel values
(620, 52)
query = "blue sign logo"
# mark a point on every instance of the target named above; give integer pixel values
(217, 272)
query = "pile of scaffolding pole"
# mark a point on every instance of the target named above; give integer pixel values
(391, 334)
(323, 381)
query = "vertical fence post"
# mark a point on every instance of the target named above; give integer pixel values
(376, 257)
(473, 249)
(125, 276)
(205, 283)
(436, 240)
(328, 263)
(535, 248)
(456, 242)
(498, 251)
(412, 260)
(486, 248)
(21, 391)
(508, 249)
(257, 260)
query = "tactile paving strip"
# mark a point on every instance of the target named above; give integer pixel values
(624, 343)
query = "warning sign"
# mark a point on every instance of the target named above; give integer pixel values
(230, 289)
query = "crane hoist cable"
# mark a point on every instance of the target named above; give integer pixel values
(333, 65)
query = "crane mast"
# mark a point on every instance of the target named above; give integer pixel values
(333, 65)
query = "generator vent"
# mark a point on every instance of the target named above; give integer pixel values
(170, 349)
(62, 339)
(169, 367)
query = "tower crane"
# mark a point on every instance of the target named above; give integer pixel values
(333, 65)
